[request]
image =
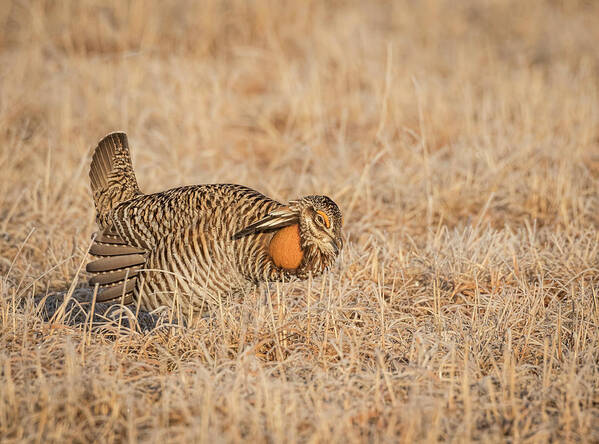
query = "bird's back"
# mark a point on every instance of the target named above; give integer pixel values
(223, 209)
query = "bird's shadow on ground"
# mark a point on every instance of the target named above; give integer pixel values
(79, 309)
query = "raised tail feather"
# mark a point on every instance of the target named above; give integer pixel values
(112, 177)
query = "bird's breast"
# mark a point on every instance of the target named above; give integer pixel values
(285, 249)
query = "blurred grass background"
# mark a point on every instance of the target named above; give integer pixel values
(461, 140)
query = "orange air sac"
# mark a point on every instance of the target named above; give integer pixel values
(285, 248)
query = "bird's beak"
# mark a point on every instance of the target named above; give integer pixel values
(337, 245)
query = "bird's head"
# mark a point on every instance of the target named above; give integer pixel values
(319, 224)
(308, 234)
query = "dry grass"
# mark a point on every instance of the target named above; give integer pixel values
(461, 140)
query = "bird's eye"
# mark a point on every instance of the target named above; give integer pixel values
(322, 219)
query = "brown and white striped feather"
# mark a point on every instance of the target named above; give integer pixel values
(186, 248)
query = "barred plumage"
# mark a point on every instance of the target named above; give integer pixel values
(199, 242)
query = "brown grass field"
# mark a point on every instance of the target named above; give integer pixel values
(461, 141)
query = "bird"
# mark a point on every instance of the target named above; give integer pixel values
(199, 244)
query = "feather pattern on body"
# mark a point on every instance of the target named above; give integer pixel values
(198, 243)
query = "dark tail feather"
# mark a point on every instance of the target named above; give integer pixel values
(117, 268)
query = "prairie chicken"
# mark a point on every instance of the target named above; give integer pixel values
(200, 242)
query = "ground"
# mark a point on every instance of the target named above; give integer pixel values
(461, 142)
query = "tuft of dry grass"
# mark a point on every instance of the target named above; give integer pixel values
(461, 141)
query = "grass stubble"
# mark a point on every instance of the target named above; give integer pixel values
(461, 141)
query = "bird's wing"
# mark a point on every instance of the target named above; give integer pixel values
(279, 218)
